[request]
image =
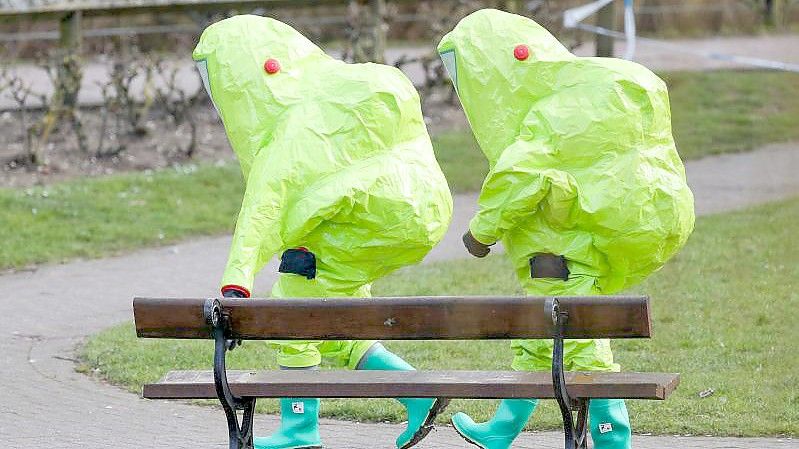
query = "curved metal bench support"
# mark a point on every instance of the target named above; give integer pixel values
(240, 433)
(575, 432)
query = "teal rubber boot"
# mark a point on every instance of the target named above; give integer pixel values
(421, 411)
(610, 424)
(500, 431)
(299, 426)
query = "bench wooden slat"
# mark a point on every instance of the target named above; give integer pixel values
(390, 384)
(402, 318)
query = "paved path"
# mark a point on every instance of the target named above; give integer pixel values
(46, 312)
(779, 48)
(783, 48)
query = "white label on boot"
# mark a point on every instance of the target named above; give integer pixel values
(298, 407)
(605, 427)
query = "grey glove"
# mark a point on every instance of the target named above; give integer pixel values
(232, 293)
(474, 247)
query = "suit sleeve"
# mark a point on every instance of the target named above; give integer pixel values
(257, 235)
(518, 186)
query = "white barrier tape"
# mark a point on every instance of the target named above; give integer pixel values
(572, 17)
(629, 29)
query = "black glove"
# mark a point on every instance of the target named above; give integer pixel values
(474, 247)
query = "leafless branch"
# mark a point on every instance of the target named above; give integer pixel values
(110, 107)
(178, 103)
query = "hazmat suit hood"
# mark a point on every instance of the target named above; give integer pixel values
(479, 57)
(336, 159)
(582, 159)
(230, 58)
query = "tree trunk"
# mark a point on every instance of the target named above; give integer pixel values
(774, 13)
(69, 70)
(606, 18)
(513, 6)
(367, 33)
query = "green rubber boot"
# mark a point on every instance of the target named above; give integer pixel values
(421, 411)
(299, 426)
(500, 431)
(610, 424)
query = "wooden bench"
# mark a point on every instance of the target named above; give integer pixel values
(404, 318)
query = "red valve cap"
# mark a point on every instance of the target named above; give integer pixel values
(521, 52)
(271, 66)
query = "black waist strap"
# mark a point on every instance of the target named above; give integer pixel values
(298, 261)
(549, 266)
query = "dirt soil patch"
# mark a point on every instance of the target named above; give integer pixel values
(161, 145)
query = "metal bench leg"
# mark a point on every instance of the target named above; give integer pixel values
(574, 433)
(581, 427)
(240, 433)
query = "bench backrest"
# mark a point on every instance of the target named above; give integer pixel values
(401, 318)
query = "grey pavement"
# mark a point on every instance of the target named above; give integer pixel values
(680, 54)
(731, 181)
(658, 58)
(49, 310)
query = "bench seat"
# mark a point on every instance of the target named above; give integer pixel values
(392, 384)
(403, 318)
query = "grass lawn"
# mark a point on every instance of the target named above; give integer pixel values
(95, 217)
(732, 111)
(725, 314)
(714, 112)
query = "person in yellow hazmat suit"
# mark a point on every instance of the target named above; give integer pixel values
(585, 188)
(341, 182)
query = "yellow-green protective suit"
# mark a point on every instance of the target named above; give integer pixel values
(582, 164)
(336, 159)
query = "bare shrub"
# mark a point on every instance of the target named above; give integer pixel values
(111, 111)
(178, 103)
(129, 66)
(65, 74)
(23, 96)
(440, 20)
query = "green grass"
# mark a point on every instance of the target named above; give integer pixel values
(732, 111)
(95, 217)
(715, 112)
(725, 314)
(461, 160)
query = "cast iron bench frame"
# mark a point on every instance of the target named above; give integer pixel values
(229, 321)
